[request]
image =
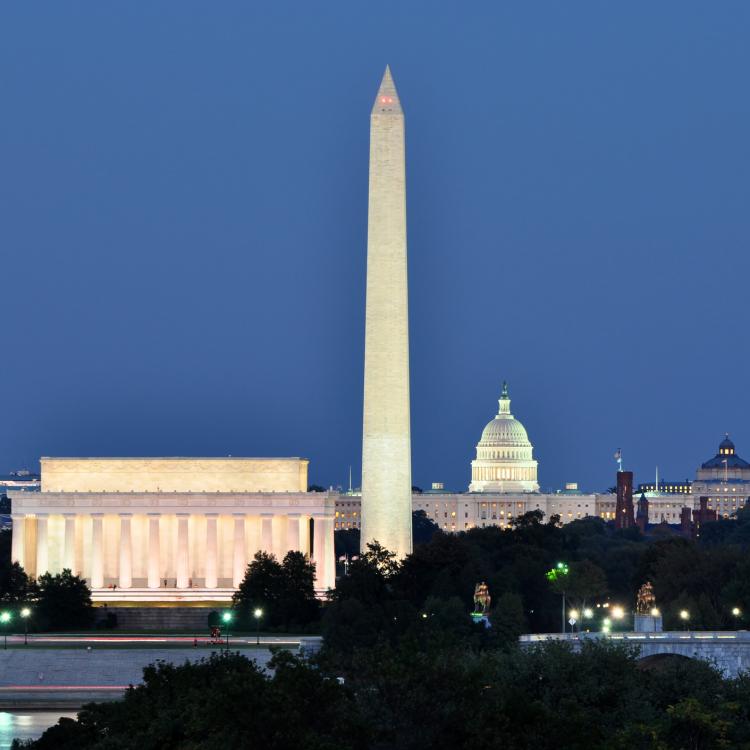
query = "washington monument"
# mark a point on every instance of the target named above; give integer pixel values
(386, 441)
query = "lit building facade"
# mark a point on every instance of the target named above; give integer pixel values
(170, 529)
(724, 480)
(504, 462)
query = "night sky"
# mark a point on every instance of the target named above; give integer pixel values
(183, 207)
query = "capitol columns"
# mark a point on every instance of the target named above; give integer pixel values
(154, 551)
(97, 552)
(238, 566)
(42, 552)
(211, 581)
(126, 552)
(183, 562)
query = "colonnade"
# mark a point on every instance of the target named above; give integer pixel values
(173, 550)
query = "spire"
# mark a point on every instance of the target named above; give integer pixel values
(387, 101)
(504, 400)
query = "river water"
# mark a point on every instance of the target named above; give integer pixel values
(26, 725)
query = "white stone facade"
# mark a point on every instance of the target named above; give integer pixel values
(454, 512)
(154, 546)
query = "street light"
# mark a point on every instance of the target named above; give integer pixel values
(736, 611)
(226, 618)
(257, 614)
(573, 617)
(684, 616)
(25, 614)
(617, 612)
(5, 618)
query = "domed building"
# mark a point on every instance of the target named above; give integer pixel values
(724, 481)
(504, 461)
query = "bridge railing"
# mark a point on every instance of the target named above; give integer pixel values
(666, 635)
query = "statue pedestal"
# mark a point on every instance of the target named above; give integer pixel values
(647, 623)
(479, 617)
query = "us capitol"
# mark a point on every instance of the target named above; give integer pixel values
(504, 485)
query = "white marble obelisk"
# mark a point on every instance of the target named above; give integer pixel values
(386, 442)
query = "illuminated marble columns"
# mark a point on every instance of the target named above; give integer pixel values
(125, 580)
(266, 532)
(97, 552)
(154, 551)
(183, 562)
(293, 532)
(69, 542)
(239, 560)
(211, 551)
(323, 552)
(42, 550)
(18, 542)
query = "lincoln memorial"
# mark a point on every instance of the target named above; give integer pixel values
(170, 529)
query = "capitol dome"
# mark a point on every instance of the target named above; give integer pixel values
(504, 461)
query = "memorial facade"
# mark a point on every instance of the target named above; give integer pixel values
(170, 529)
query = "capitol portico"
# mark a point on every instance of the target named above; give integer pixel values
(178, 529)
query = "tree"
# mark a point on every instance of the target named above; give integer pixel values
(423, 528)
(64, 602)
(284, 591)
(223, 702)
(261, 587)
(299, 605)
(585, 582)
(15, 585)
(5, 547)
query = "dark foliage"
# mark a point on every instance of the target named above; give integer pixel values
(441, 695)
(284, 591)
(221, 703)
(63, 602)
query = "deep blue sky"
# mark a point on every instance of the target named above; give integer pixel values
(183, 205)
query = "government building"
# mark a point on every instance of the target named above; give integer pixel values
(170, 529)
(504, 485)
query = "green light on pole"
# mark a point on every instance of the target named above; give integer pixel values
(557, 575)
(226, 618)
(5, 618)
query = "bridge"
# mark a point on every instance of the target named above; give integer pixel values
(727, 650)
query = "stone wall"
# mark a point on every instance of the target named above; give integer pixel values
(174, 474)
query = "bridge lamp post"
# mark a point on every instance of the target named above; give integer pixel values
(586, 614)
(617, 612)
(684, 616)
(737, 612)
